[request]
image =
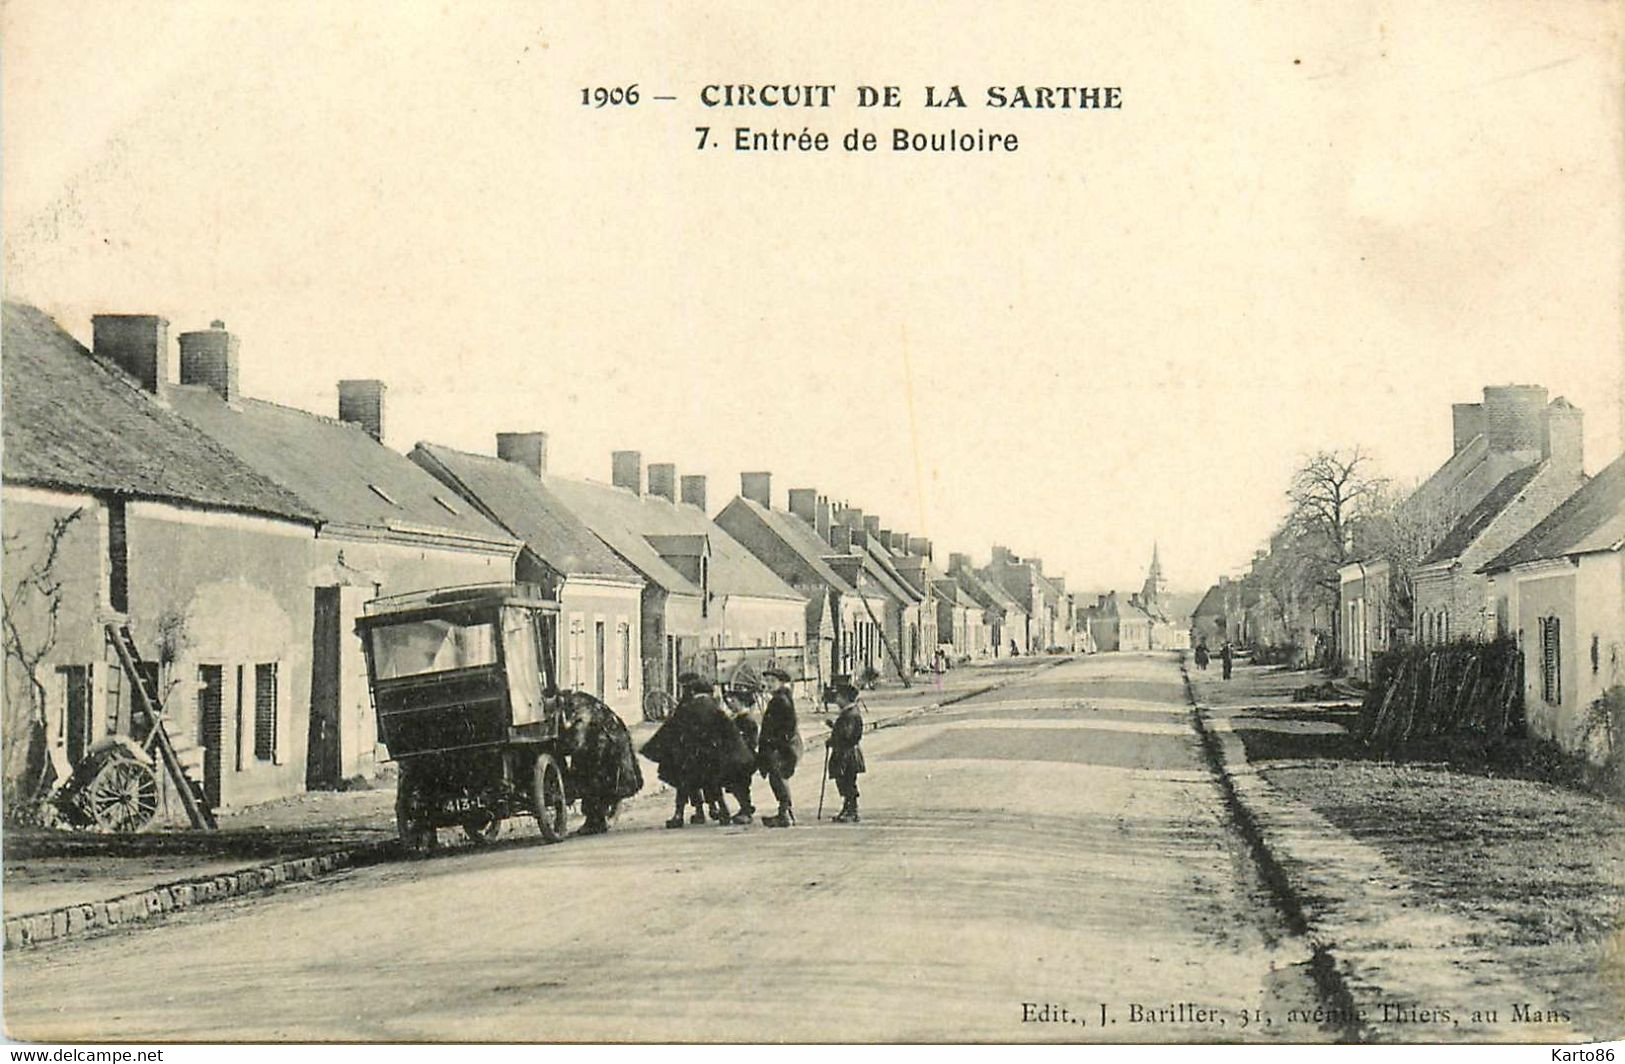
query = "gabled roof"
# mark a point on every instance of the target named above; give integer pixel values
(878, 564)
(799, 536)
(76, 422)
(627, 521)
(337, 469)
(1212, 602)
(518, 500)
(1476, 520)
(1590, 520)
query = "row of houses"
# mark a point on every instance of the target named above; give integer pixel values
(239, 540)
(1515, 541)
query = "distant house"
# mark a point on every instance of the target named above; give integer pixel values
(1450, 592)
(1001, 614)
(1023, 580)
(707, 598)
(600, 630)
(1560, 590)
(808, 551)
(900, 615)
(387, 527)
(1209, 621)
(1513, 429)
(117, 509)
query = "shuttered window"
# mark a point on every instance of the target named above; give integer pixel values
(623, 640)
(1551, 661)
(265, 712)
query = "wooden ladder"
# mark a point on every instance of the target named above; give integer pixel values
(146, 700)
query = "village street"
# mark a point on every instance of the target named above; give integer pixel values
(1057, 841)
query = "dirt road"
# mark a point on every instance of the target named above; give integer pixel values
(1058, 842)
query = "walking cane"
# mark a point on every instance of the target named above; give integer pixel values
(823, 783)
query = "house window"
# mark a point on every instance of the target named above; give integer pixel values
(265, 712)
(578, 652)
(623, 642)
(118, 557)
(1551, 661)
(78, 722)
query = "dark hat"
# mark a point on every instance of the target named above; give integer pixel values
(693, 681)
(846, 690)
(776, 674)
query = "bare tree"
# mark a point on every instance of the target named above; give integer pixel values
(1403, 529)
(29, 626)
(1333, 497)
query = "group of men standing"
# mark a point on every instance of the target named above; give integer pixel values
(707, 753)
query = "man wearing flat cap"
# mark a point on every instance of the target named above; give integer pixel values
(845, 752)
(778, 749)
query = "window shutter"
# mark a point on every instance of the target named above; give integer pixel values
(267, 733)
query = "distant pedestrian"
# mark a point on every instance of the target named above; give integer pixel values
(1202, 655)
(1227, 657)
(846, 752)
(779, 747)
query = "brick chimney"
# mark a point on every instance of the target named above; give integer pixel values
(694, 491)
(958, 562)
(1565, 436)
(1514, 418)
(663, 480)
(821, 518)
(136, 343)
(899, 542)
(840, 539)
(871, 524)
(1002, 555)
(626, 471)
(804, 504)
(209, 358)
(361, 402)
(527, 450)
(758, 488)
(1467, 421)
(920, 546)
(850, 516)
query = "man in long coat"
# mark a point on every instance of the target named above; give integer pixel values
(845, 754)
(778, 750)
(603, 768)
(678, 748)
(743, 701)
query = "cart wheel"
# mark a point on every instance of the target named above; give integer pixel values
(123, 795)
(657, 705)
(482, 827)
(417, 836)
(547, 797)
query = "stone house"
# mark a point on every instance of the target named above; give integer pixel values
(117, 509)
(1560, 591)
(600, 631)
(707, 598)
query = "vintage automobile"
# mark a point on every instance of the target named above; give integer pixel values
(462, 681)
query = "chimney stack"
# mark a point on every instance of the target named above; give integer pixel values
(899, 542)
(663, 480)
(626, 471)
(1466, 422)
(758, 488)
(694, 492)
(527, 450)
(1565, 436)
(1002, 555)
(958, 562)
(209, 358)
(821, 518)
(920, 546)
(840, 539)
(361, 402)
(1514, 418)
(804, 504)
(136, 343)
(871, 524)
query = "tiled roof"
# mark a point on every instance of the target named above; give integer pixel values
(76, 422)
(523, 505)
(625, 521)
(1476, 520)
(340, 472)
(796, 534)
(1590, 520)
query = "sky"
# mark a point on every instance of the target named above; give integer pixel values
(1308, 226)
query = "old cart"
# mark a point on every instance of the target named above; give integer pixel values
(463, 685)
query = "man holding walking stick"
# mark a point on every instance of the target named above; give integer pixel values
(843, 751)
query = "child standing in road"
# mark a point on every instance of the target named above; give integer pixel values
(846, 751)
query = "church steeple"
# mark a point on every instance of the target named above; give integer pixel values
(1155, 586)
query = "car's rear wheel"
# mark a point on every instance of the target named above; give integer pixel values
(547, 797)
